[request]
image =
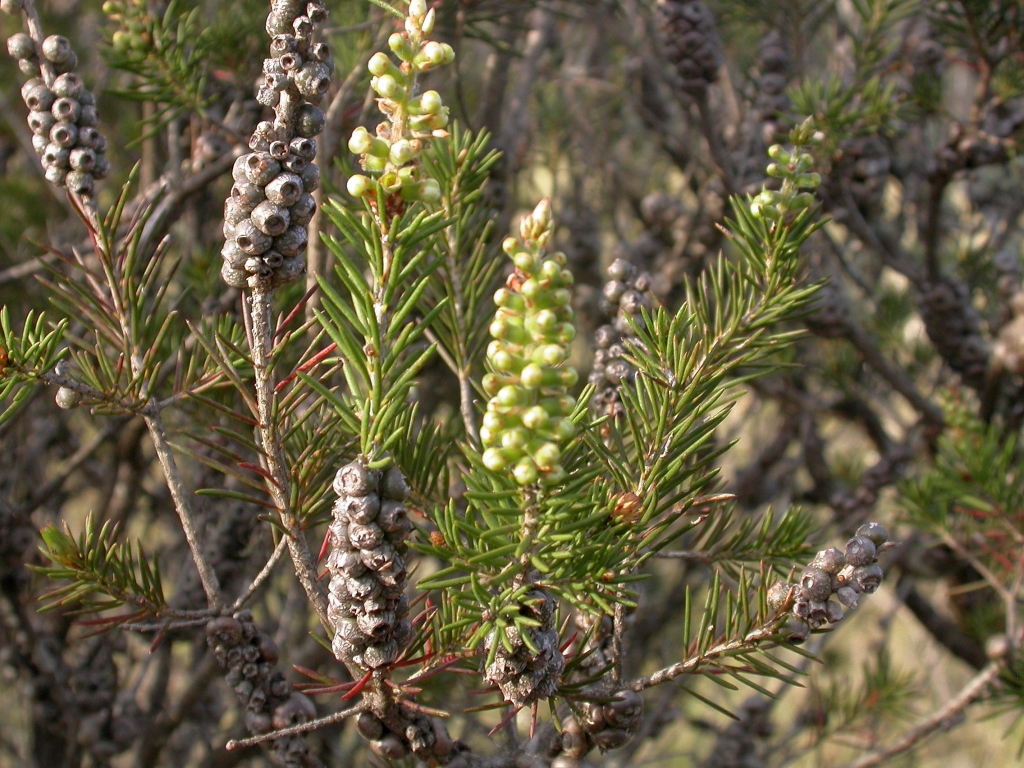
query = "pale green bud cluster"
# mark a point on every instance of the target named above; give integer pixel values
(527, 418)
(796, 169)
(391, 154)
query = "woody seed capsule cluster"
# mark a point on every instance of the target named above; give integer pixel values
(625, 294)
(271, 203)
(62, 112)
(522, 674)
(528, 414)
(847, 575)
(391, 153)
(271, 704)
(691, 43)
(366, 602)
(608, 721)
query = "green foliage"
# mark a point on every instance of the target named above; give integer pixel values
(104, 574)
(978, 26)
(25, 357)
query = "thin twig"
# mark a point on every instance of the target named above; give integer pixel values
(312, 725)
(262, 576)
(940, 720)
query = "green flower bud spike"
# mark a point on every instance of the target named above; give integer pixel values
(528, 414)
(390, 157)
(792, 168)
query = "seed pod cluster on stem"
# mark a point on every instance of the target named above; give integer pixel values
(267, 215)
(390, 155)
(691, 43)
(847, 575)
(527, 670)
(626, 293)
(528, 413)
(62, 111)
(271, 704)
(605, 717)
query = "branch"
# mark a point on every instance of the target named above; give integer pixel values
(940, 720)
(312, 725)
(261, 577)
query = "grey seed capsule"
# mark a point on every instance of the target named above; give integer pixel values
(66, 109)
(817, 614)
(365, 536)
(358, 509)
(867, 579)
(40, 141)
(250, 239)
(380, 655)
(69, 85)
(261, 168)
(348, 562)
(38, 98)
(302, 26)
(779, 595)
(393, 516)
(278, 150)
(279, 686)
(238, 170)
(313, 81)
(285, 189)
(273, 66)
(618, 371)
(643, 282)
(369, 726)
(262, 135)
(292, 242)
(611, 738)
(68, 65)
(79, 182)
(393, 576)
(349, 629)
(20, 46)
(102, 167)
(860, 551)
(290, 62)
(834, 612)
(297, 710)
(363, 588)
(389, 748)
(310, 178)
(393, 484)
(875, 532)
(309, 121)
(87, 99)
(282, 44)
(246, 195)
(613, 290)
(304, 148)
(631, 302)
(801, 605)
(320, 52)
(251, 653)
(377, 625)
(93, 139)
(830, 560)
(232, 212)
(266, 95)
(232, 254)
(302, 212)
(88, 116)
(605, 336)
(254, 266)
(83, 159)
(235, 278)
(379, 558)
(294, 164)
(848, 596)
(29, 67)
(621, 270)
(289, 8)
(343, 649)
(64, 134)
(56, 49)
(273, 259)
(355, 480)
(258, 722)
(270, 219)
(41, 122)
(316, 12)
(278, 24)
(816, 584)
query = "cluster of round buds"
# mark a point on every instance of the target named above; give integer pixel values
(366, 602)
(391, 154)
(526, 672)
(528, 413)
(62, 112)
(626, 293)
(266, 218)
(607, 718)
(269, 700)
(691, 43)
(425, 737)
(847, 575)
(795, 171)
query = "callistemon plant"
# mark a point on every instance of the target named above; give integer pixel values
(496, 541)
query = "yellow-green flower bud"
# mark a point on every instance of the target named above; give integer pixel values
(430, 103)
(358, 186)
